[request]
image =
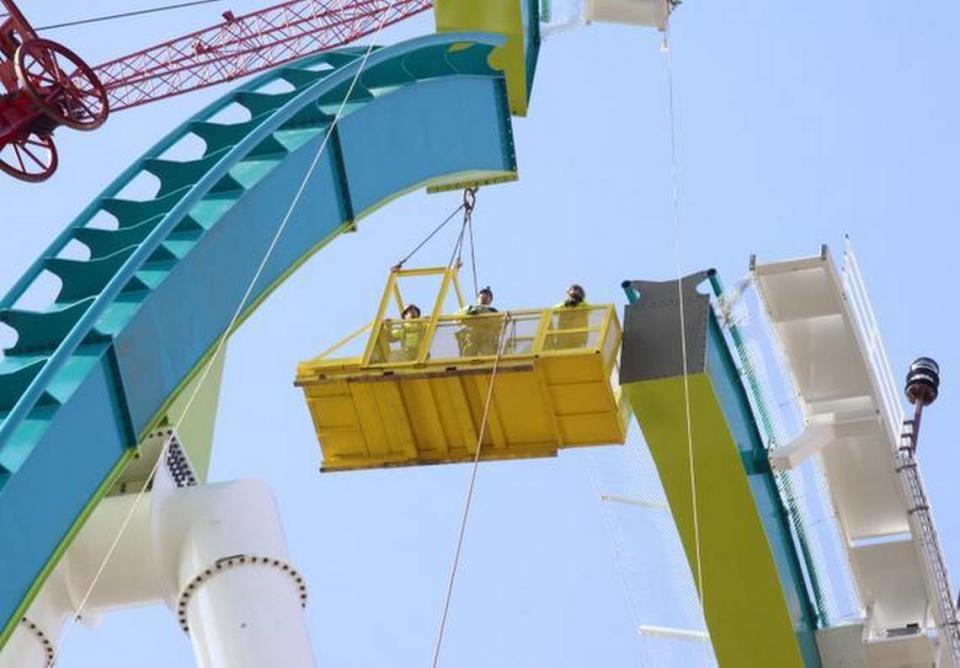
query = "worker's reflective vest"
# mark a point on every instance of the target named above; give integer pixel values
(479, 336)
(409, 333)
(566, 317)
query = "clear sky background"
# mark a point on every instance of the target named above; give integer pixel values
(797, 123)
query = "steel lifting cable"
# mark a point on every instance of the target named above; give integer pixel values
(223, 339)
(675, 191)
(469, 203)
(467, 206)
(125, 15)
(454, 260)
(470, 489)
(426, 239)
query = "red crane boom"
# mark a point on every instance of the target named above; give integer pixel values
(44, 85)
(242, 45)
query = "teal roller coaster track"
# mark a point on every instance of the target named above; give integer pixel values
(93, 372)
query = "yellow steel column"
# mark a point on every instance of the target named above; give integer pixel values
(722, 497)
(498, 16)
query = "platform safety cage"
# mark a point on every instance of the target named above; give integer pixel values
(453, 338)
(527, 333)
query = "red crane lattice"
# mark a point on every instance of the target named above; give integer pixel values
(44, 85)
(242, 45)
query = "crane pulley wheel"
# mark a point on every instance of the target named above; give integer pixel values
(30, 157)
(64, 87)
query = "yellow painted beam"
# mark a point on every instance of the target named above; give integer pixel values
(504, 17)
(196, 425)
(749, 626)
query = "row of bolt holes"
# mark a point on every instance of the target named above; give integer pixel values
(233, 562)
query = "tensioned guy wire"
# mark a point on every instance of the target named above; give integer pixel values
(126, 15)
(430, 236)
(675, 191)
(470, 490)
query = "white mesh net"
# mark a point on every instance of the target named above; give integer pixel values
(803, 489)
(658, 584)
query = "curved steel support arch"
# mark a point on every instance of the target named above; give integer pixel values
(131, 324)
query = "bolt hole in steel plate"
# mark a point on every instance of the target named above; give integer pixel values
(61, 84)
(30, 157)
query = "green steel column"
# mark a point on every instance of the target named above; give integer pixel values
(753, 593)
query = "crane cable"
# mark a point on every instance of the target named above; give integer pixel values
(223, 339)
(473, 257)
(396, 267)
(501, 340)
(426, 239)
(124, 15)
(675, 192)
(466, 235)
(467, 206)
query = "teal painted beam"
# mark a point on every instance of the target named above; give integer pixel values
(765, 426)
(744, 428)
(108, 366)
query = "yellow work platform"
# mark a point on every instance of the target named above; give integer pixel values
(417, 393)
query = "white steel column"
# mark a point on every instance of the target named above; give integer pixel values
(215, 554)
(237, 595)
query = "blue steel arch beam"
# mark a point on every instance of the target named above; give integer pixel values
(91, 374)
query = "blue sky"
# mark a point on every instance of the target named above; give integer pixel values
(796, 124)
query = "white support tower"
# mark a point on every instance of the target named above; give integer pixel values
(830, 343)
(214, 554)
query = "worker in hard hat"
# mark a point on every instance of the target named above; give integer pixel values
(573, 313)
(409, 333)
(480, 333)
